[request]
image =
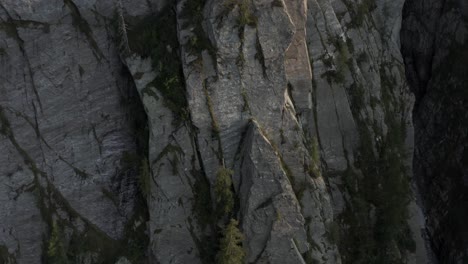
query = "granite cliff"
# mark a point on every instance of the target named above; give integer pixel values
(232, 131)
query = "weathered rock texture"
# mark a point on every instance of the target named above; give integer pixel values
(435, 49)
(69, 115)
(361, 108)
(117, 117)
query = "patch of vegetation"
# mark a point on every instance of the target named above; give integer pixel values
(202, 205)
(215, 129)
(378, 208)
(376, 215)
(342, 48)
(56, 253)
(223, 192)
(231, 251)
(247, 16)
(246, 13)
(211, 247)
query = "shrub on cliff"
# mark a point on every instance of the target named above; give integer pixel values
(223, 192)
(231, 251)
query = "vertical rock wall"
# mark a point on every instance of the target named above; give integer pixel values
(434, 45)
(361, 117)
(117, 119)
(69, 122)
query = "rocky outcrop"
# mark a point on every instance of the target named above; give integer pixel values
(434, 45)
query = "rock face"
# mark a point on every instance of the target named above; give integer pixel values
(69, 116)
(434, 45)
(119, 120)
(361, 117)
(272, 221)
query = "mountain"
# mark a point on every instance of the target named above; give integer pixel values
(233, 131)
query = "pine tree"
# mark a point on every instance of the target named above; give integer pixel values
(223, 192)
(231, 251)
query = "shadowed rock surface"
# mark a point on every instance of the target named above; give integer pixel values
(435, 49)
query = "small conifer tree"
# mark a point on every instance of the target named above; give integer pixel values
(223, 192)
(231, 251)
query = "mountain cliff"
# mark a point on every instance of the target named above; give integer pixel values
(232, 131)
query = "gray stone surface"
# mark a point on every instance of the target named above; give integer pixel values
(270, 213)
(359, 86)
(64, 124)
(306, 101)
(175, 228)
